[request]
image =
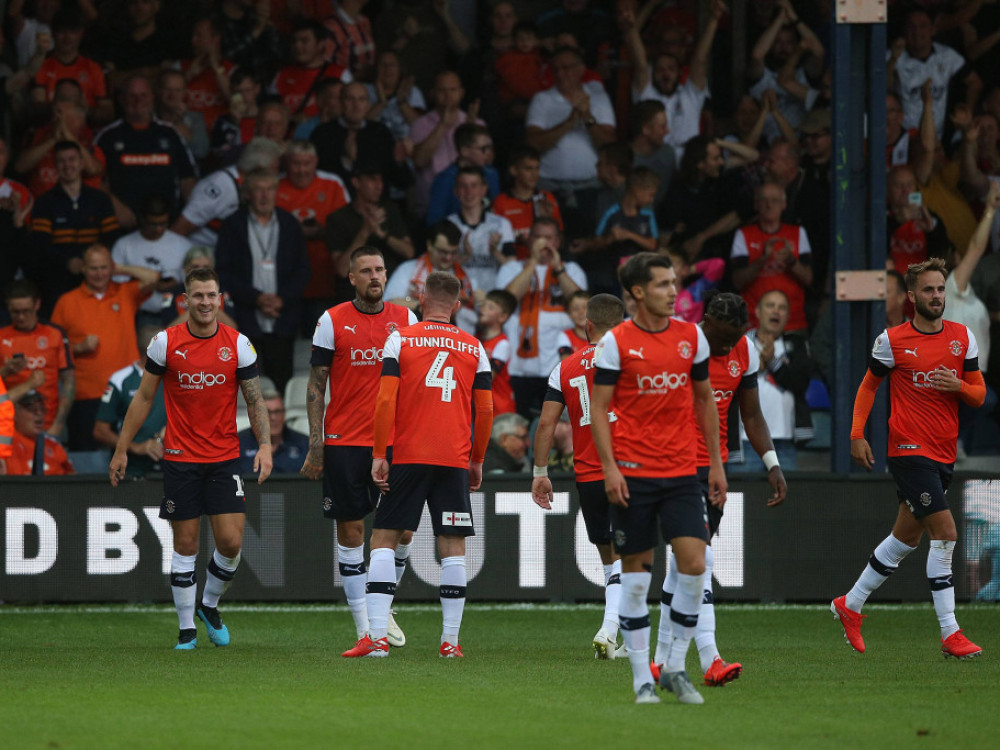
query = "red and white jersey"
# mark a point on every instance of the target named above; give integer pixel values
(728, 374)
(324, 195)
(571, 383)
(350, 343)
(568, 339)
(294, 82)
(214, 198)
(498, 350)
(749, 242)
(655, 434)
(924, 421)
(200, 380)
(438, 366)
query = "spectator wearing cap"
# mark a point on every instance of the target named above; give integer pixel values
(288, 447)
(146, 449)
(35, 453)
(369, 219)
(352, 138)
(475, 149)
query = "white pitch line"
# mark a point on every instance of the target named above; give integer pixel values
(144, 609)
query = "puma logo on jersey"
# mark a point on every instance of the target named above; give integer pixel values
(352, 329)
(182, 354)
(912, 351)
(8, 342)
(638, 353)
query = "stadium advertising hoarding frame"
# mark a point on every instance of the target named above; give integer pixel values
(78, 540)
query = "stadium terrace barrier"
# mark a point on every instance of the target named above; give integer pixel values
(77, 539)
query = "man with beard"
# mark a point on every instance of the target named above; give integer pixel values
(924, 359)
(661, 81)
(347, 356)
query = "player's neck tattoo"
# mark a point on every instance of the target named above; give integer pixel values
(365, 306)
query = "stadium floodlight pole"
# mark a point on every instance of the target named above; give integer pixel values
(857, 203)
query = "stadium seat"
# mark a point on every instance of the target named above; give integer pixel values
(295, 392)
(90, 462)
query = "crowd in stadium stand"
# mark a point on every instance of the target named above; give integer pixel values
(528, 146)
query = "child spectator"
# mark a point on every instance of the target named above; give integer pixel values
(524, 202)
(633, 218)
(575, 338)
(694, 280)
(498, 306)
(237, 126)
(519, 71)
(614, 162)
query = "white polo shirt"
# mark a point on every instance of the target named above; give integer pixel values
(574, 157)
(940, 66)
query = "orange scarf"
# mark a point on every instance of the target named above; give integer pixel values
(548, 298)
(424, 267)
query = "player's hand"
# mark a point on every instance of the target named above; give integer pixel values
(380, 473)
(717, 486)
(541, 492)
(116, 469)
(862, 454)
(263, 463)
(475, 476)
(154, 449)
(776, 478)
(943, 379)
(616, 487)
(313, 466)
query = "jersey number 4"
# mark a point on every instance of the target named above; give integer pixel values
(441, 377)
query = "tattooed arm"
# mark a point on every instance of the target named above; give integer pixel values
(315, 395)
(257, 412)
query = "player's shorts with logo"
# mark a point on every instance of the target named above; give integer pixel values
(445, 490)
(348, 491)
(594, 505)
(192, 490)
(714, 513)
(674, 506)
(921, 483)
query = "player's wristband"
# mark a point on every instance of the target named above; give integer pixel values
(770, 459)
(540, 471)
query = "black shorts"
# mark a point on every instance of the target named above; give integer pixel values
(445, 490)
(675, 505)
(192, 490)
(348, 491)
(714, 513)
(594, 505)
(921, 483)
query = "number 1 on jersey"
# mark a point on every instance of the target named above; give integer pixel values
(443, 379)
(580, 383)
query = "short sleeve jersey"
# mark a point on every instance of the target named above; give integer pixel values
(114, 406)
(729, 373)
(45, 348)
(438, 366)
(749, 244)
(214, 198)
(498, 350)
(571, 383)
(655, 434)
(350, 343)
(924, 421)
(200, 380)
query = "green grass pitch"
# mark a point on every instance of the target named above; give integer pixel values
(106, 677)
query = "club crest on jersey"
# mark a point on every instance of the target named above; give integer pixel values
(956, 347)
(43, 342)
(734, 368)
(391, 327)
(684, 349)
(925, 499)
(115, 307)
(225, 353)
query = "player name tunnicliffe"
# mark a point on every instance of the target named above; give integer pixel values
(441, 342)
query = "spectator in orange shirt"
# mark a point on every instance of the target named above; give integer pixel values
(310, 196)
(65, 61)
(29, 345)
(207, 73)
(519, 71)
(31, 442)
(296, 84)
(99, 320)
(524, 202)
